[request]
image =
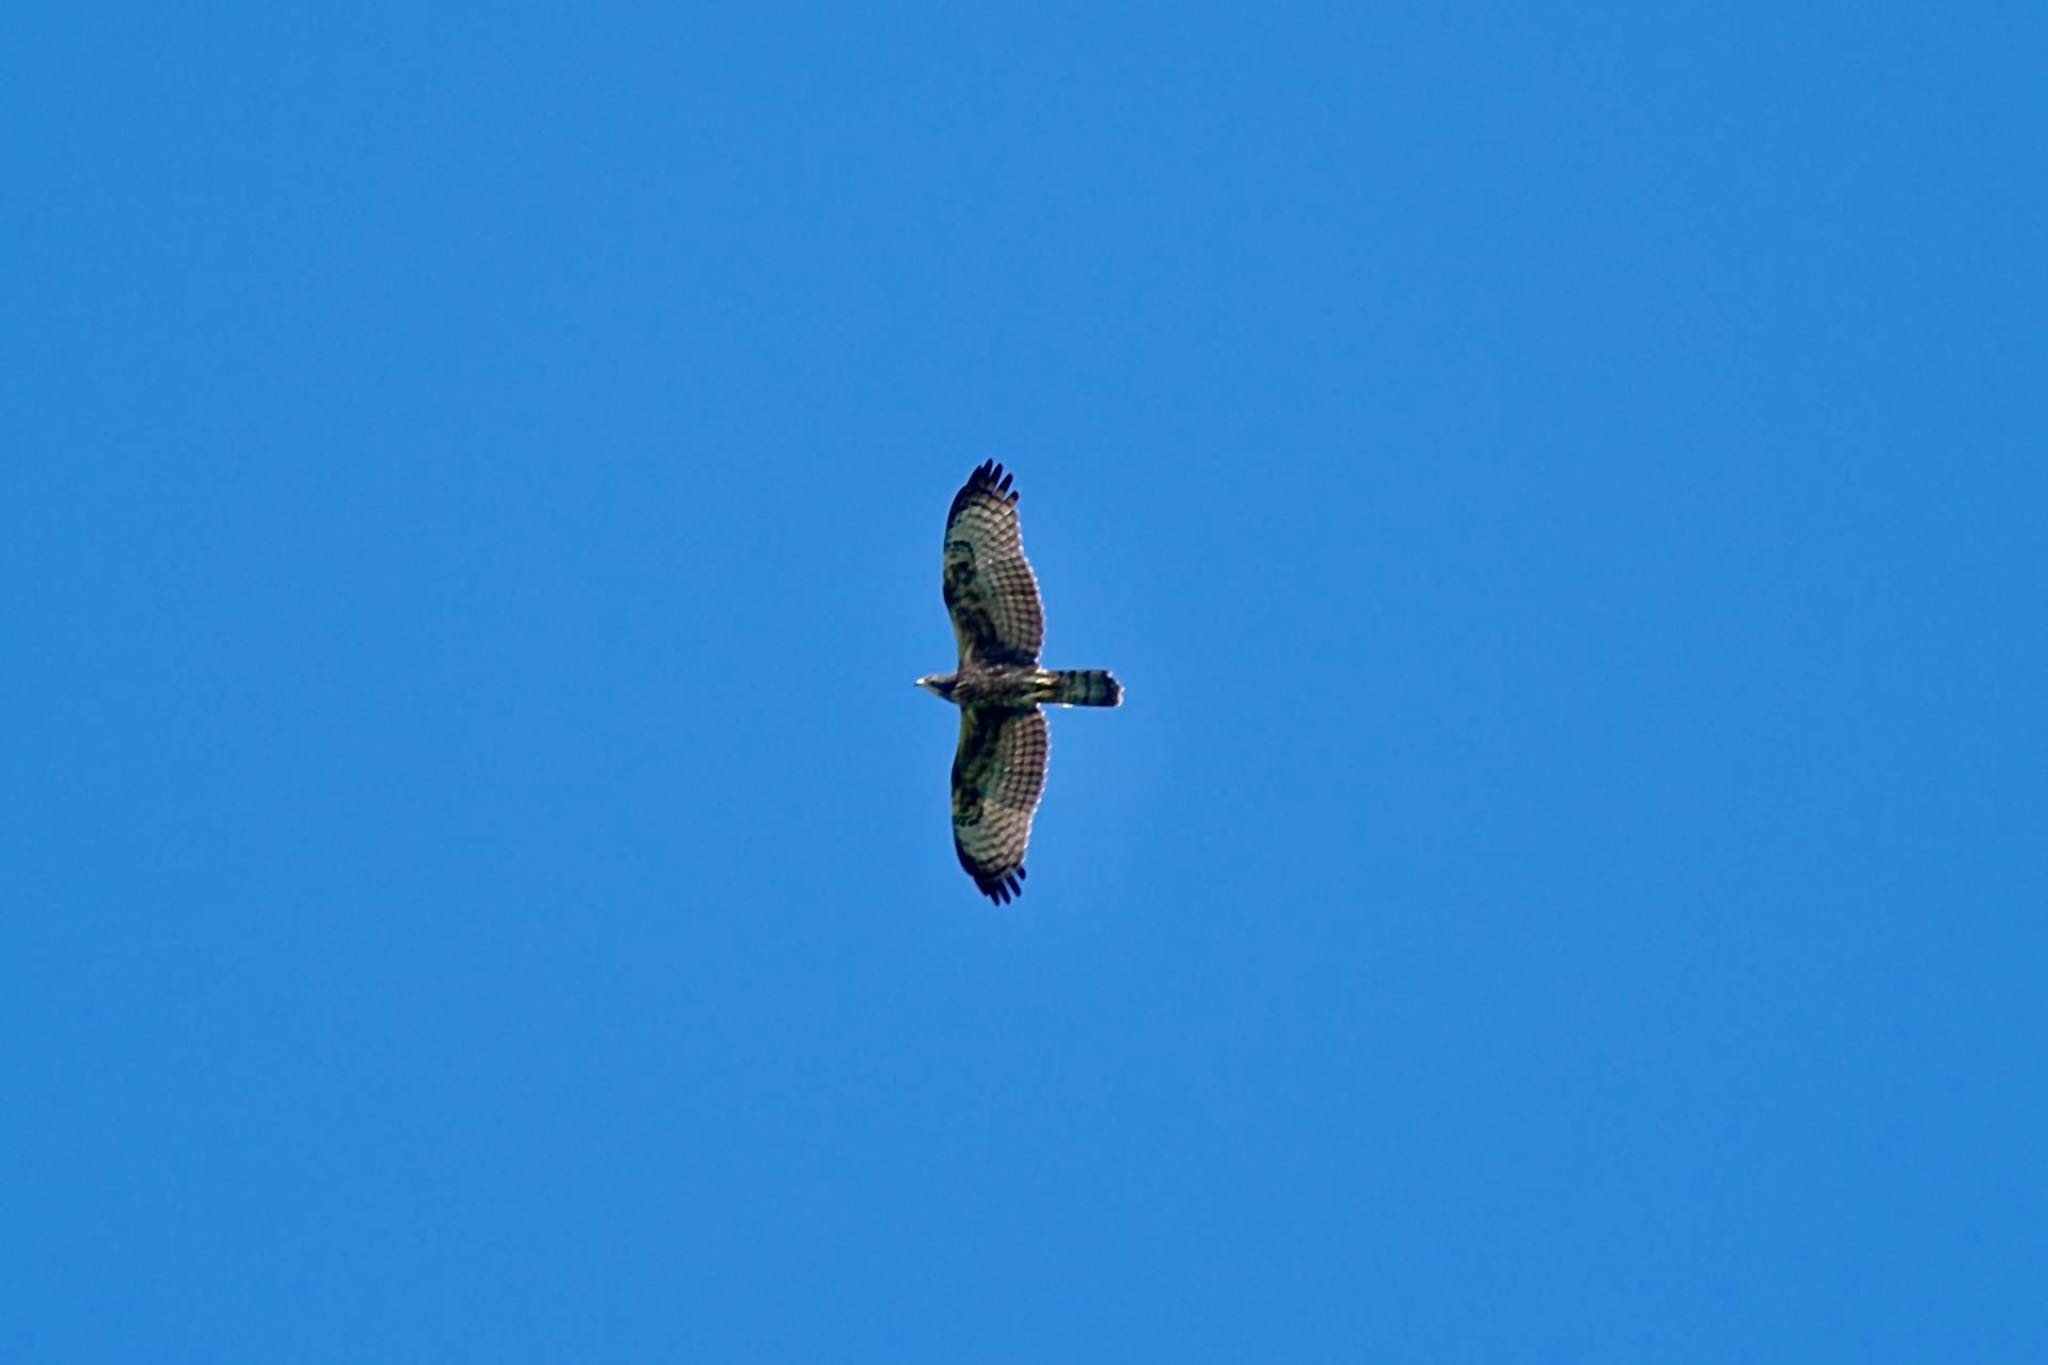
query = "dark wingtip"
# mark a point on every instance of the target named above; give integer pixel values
(991, 475)
(1002, 888)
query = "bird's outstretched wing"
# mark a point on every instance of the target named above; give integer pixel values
(998, 776)
(990, 591)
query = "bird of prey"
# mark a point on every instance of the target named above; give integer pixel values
(999, 770)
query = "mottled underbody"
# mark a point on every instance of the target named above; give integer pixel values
(1019, 686)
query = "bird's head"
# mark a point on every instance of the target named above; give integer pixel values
(938, 684)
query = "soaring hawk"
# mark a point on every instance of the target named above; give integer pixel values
(999, 771)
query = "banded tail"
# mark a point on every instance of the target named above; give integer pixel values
(1086, 687)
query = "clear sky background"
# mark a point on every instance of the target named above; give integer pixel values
(1564, 488)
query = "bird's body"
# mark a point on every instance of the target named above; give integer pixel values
(1014, 686)
(999, 770)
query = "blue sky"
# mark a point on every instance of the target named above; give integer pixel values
(1564, 488)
